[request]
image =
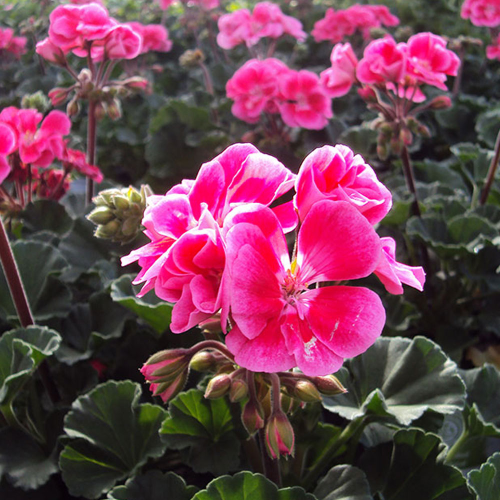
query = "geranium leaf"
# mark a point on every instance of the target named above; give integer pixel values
(398, 379)
(21, 351)
(344, 482)
(248, 486)
(155, 312)
(205, 429)
(486, 481)
(154, 485)
(114, 435)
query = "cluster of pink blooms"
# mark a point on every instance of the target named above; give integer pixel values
(269, 86)
(399, 67)
(204, 4)
(15, 45)
(26, 138)
(88, 28)
(266, 20)
(216, 245)
(336, 25)
(482, 12)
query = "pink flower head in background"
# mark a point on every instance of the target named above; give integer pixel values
(266, 20)
(303, 102)
(429, 61)
(392, 273)
(254, 88)
(16, 45)
(204, 4)
(338, 79)
(187, 222)
(37, 145)
(154, 37)
(336, 25)
(278, 321)
(7, 146)
(336, 173)
(482, 12)
(493, 51)
(50, 52)
(165, 4)
(73, 159)
(121, 42)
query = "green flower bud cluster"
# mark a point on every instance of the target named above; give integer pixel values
(118, 213)
(38, 100)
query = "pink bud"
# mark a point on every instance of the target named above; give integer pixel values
(280, 438)
(252, 417)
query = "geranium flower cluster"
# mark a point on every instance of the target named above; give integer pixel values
(88, 29)
(399, 67)
(482, 12)
(204, 4)
(269, 86)
(29, 143)
(337, 24)
(15, 45)
(265, 21)
(217, 246)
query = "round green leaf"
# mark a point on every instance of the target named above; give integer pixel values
(248, 486)
(205, 429)
(114, 435)
(154, 485)
(47, 215)
(344, 482)
(401, 379)
(486, 481)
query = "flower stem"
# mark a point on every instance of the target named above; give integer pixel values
(91, 146)
(456, 446)
(491, 172)
(410, 179)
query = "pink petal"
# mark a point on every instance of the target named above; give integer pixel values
(347, 320)
(336, 243)
(265, 353)
(171, 216)
(4, 168)
(56, 122)
(184, 314)
(7, 139)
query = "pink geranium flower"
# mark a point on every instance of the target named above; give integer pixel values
(188, 221)
(7, 146)
(154, 37)
(338, 79)
(303, 102)
(493, 51)
(16, 45)
(254, 88)
(482, 12)
(51, 52)
(429, 61)
(336, 173)
(122, 42)
(234, 28)
(392, 273)
(278, 321)
(383, 61)
(73, 159)
(37, 146)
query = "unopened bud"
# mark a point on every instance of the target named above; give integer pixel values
(280, 438)
(101, 215)
(396, 145)
(109, 230)
(440, 102)
(58, 96)
(99, 110)
(307, 392)
(167, 390)
(252, 417)
(211, 325)
(218, 386)
(191, 58)
(368, 94)
(37, 101)
(329, 385)
(238, 391)
(424, 130)
(406, 136)
(203, 361)
(73, 107)
(114, 109)
(85, 76)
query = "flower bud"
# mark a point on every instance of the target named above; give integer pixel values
(329, 385)
(36, 100)
(218, 386)
(424, 130)
(440, 102)
(58, 95)
(191, 58)
(406, 136)
(99, 111)
(73, 107)
(114, 109)
(306, 391)
(252, 417)
(167, 390)
(238, 391)
(101, 215)
(203, 361)
(108, 231)
(280, 438)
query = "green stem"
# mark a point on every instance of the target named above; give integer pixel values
(10, 416)
(491, 172)
(353, 429)
(456, 446)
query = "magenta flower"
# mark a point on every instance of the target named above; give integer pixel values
(493, 51)
(303, 102)
(185, 259)
(429, 61)
(335, 173)
(234, 28)
(7, 146)
(73, 159)
(392, 273)
(279, 322)
(254, 88)
(338, 79)
(154, 37)
(122, 42)
(482, 12)
(38, 146)
(51, 52)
